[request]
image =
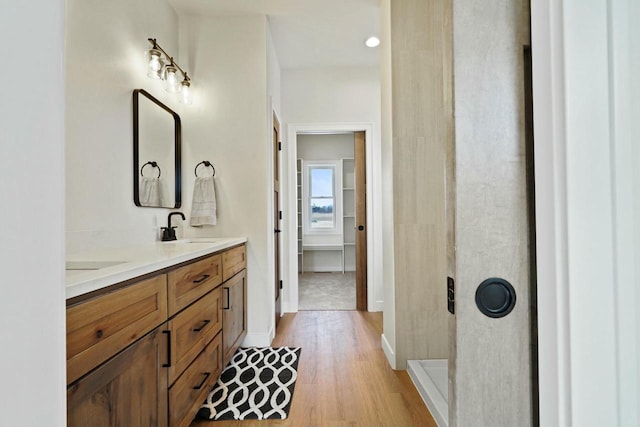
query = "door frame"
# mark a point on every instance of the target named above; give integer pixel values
(290, 290)
(274, 111)
(276, 176)
(585, 133)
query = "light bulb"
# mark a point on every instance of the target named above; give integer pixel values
(185, 93)
(172, 84)
(155, 64)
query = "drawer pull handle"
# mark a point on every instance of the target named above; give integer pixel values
(226, 289)
(168, 364)
(202, 279)
(202, 325)
(204, 380)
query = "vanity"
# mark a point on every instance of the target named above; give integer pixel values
(148, 338)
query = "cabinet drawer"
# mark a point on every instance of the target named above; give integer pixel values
(192, 388)
(188, 283)
(233, 261)
(99, 328)
(192, 329)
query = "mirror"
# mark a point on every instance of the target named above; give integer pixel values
(156, 153)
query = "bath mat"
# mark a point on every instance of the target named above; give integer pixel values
(257, 384)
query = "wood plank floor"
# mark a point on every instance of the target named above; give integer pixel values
(343, 376)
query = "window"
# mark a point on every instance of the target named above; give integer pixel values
(321, 202)
(322, 199)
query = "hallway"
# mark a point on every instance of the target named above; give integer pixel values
(343, 376)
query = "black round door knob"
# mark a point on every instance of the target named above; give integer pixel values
(361, 227)
(495, 297)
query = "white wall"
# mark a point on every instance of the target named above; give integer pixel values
(333, 95)
(274, 79)
(229, 126)
(32, 360)
(325, 147)
(342, 95)
(105, 45)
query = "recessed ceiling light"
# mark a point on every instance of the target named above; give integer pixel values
(372, 42)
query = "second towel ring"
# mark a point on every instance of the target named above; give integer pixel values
(206, 163)
(153, 164)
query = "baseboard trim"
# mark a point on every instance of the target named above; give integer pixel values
(263, 339)
(377, 306)
(330, 269)
(272, 332)
(388, 351)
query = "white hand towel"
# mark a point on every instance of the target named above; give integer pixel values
(203, 206)
(151, 192)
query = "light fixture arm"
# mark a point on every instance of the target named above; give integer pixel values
(169, 58)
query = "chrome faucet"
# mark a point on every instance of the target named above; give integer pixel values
(169, 232)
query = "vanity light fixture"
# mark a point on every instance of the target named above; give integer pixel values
(167, 69)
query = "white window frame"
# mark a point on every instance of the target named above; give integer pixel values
(337, 193)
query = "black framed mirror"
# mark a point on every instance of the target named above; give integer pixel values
(157, 134)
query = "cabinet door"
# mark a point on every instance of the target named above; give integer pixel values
(234, 315)
(128, 390)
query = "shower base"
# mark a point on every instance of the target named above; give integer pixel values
(431, 379)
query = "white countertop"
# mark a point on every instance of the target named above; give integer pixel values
(134, 261)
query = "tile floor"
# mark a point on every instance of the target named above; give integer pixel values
(327, 291)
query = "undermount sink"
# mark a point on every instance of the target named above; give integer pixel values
(90, 265)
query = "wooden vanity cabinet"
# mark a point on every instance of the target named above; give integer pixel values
(148, 353)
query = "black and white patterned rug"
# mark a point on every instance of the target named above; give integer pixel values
(257, 383)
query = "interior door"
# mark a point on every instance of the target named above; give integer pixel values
(276, 215)
(361, 220)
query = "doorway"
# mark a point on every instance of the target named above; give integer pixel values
(331, 194)
(329, 251)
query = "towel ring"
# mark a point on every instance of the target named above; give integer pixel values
(153, 164)
(206, 163)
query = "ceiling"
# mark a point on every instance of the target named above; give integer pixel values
(307, 33)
